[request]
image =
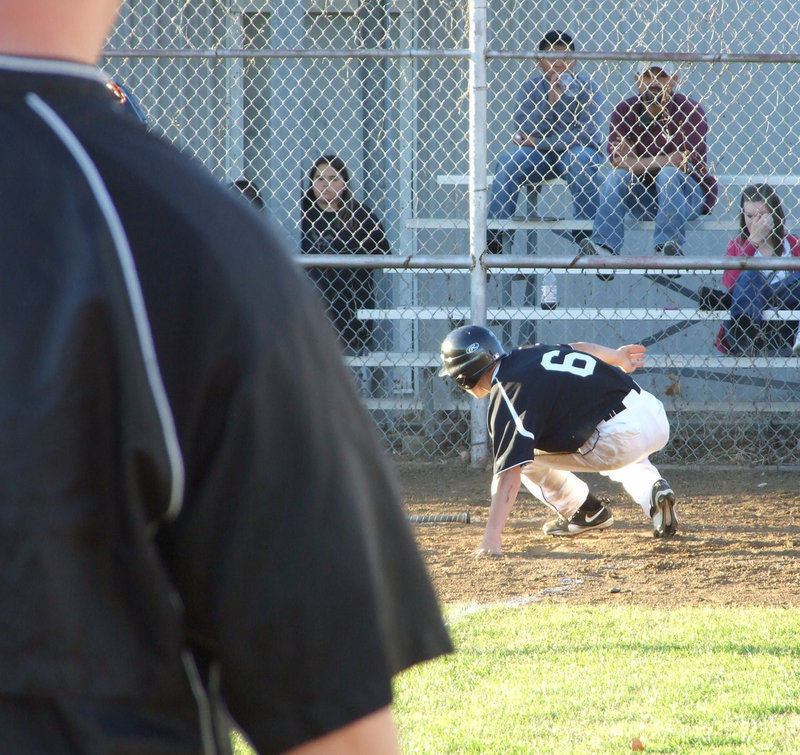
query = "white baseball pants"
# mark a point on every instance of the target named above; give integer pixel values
(619, 449)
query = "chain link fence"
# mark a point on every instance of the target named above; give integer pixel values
(380, 136)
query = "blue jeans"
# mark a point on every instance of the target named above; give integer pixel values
(752, 294)
(671, 199)
(579, 166)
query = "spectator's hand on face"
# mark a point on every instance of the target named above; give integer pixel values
(761, 228)
(559, 81)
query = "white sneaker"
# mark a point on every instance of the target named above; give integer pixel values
(579, 522)
(662, 509)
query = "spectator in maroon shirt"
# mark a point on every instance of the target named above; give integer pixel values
(658, 152)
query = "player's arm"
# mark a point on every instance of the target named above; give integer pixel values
(505, 486)
(628, 358)
(695, 146)
(372, 734)
(530, 113)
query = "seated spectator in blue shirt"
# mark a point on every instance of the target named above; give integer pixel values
(559, 124)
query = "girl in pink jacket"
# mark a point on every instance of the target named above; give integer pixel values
(762, 234)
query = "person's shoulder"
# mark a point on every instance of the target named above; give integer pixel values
(176, 189)
(531, 85)
(623, 107)
(511, 358)
(689, 104)
(682, 97)
(525, 361)
(794, 244)
(527, 353)
(366, 216)
(588, 87)
(739, 247)
(152, 165)
(587, 80)
(363, 209)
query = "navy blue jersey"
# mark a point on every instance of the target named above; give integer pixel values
(550, 398)
(183, 458)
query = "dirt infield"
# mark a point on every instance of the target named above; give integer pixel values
(738, 542)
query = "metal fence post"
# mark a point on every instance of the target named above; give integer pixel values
(477, 202)
(420, 97)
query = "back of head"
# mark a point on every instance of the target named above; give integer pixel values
(556, 37)
(51, 29)
(249, 190)
(467, 353)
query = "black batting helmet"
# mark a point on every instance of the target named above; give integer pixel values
(468, 352)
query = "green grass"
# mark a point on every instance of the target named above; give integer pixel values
(550, 678)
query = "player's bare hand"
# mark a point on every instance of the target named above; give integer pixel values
(631, 356)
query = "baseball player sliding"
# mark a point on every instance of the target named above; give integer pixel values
(559, 409)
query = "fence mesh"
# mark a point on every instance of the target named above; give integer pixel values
(260, 91)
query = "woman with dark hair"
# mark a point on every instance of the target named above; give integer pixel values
(334, 222)
(761, 234)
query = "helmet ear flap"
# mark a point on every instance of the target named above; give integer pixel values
(462, 381)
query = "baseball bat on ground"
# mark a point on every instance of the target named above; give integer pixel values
(425, 518)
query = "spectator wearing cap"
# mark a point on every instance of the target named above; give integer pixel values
(659, 157)
(559, 134)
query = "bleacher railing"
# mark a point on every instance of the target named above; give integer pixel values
(418, 98)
